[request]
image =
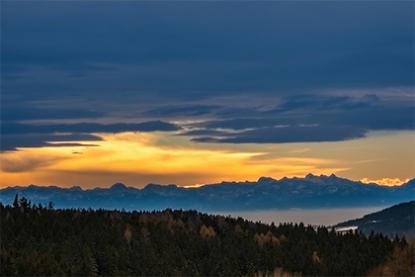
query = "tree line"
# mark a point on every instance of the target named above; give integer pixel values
(41, 240)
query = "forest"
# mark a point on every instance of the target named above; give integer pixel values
(40, 240)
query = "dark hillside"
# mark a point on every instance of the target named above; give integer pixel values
(396, 220)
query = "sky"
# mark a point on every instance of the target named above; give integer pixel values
(94, 93)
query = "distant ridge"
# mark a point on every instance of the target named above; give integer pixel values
(312, 191)
(118, 187)
(396, 220)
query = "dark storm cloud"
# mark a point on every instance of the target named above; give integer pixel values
(33, 135)
(163, 61)
(289, 134)
(327, 102)
(310, 119)
(151, 126)
(22, 112)
(243, 45)
(13, 141)
(204, 133)
(378, 118)
(243, 123)
(366, 112)
(182, 110)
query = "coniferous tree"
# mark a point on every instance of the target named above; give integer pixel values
(16, 201)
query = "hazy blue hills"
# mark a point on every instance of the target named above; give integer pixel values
(398, 219)
(266, 193)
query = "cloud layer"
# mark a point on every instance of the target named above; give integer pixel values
(270, 72)
(34, 135)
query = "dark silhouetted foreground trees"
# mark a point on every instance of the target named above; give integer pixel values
(38, 240)
(401, 263)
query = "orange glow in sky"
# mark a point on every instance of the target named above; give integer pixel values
(140, 158)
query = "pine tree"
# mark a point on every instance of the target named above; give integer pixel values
(16, 201)
(50, 205)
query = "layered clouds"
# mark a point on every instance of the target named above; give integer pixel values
(210, 75)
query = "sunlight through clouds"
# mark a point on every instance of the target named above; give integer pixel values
(137, 155)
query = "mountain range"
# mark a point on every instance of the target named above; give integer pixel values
(266, 193)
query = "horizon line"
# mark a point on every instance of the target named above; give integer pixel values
(364, 181)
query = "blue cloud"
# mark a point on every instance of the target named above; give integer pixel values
(150, 126)
(10, 142)
(156, 63)
(282, 45)
(288, 134)
(34, 135)
(310, 119)
(25, 112)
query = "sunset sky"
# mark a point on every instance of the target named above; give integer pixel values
(94, 93)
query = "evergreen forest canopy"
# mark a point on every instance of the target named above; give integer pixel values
(38, 240)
